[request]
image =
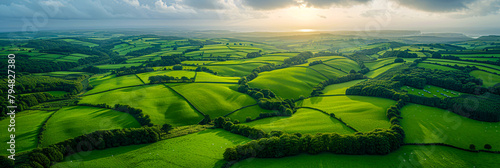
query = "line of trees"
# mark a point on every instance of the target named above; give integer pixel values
(399, 54)
(244, 130)
(144, 120)
(132, 70)
(253, 55)
(205, 69)
(166, 79)
(317, 90)
(316, 63)
(45, 157)
(145, 51)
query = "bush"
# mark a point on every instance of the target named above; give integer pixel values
(40, 159)
(6, 162)
(487, 146)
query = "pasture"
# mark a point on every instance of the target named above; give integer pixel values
(117, 66)
(208, 77)
(159, 102)
(362, 113)
(432, 66)
(236, 70)
(107, 82)
(375, 73)
(407, 156)
(203, 149)
(489, 79)
(73, 121)
(214, 99)
(434, 90)
(327, 71)
(298, 81)
(28, 124)
(339, 89)
(423, 124)
(252, 112)
(305, 121)
(343, 64)
(178, 74)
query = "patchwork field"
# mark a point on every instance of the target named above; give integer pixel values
(104, 83)
(28, 124)
(74, 121)
(298, 80)
(208, 77)
(432, 66)
(343, 64)
(179, 74)
(339, 89)
(303, 121)
(379, 63)
(375, 73)
(362, 113)
(159, 102)
(205, 147)
(327, 71)
(214, 99)
(489, 79)
(434, 90)
(423, 124)
(236, 70)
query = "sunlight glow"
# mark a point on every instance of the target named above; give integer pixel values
(307, 30)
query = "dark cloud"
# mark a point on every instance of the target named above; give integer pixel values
(269, 4)
(205, 4)
(330, 3)
(436, 5)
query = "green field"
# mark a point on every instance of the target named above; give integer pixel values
(362, 113)
(303, 121)
(28, 124)
(159, 102)
(203, 149)
(423, 124)
(489, 79)
(104, 83)
(236, 70)
(432, 66)
(214, 99)
(339, 89)
(343, 64)
(179, 74)
(252, 112)
(117, 66)
(80, 42)
(57, 93)
(407, 156)
(379, 63)
(208, 77)
(433, 89)
(298, 81)
(487, 67)
(70, 122)
(327, 71)
(375, 73)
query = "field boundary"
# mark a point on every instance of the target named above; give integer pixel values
(42, 128)
(309, 67)
(140, 79)
(324, 112)
(192, 105)
(239, 109)
(335, 68)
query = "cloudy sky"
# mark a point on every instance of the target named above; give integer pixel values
(253, 15)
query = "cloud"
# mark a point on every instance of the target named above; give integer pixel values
(269, 4)
(205, 4)
(436, 5)
(330, 3)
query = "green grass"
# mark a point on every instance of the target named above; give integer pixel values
(28, 123)
(104, 83)
(252, 112)
(407, 156)
(57, 93)
(70, 122)
(433, 89)
(487, 67)
(362, 113)
(303, 121)
(432, 66)
(327, 71)
(238, 70)
(344, 64)
(203, 149)
(379, 62)
(214, 99)
(159, 102)
(78, 42)
(116, 66)
(208, 77)
(423, 124)
(340, 88)
(489, 79)
(375, 73)
(179, 74)
(288, 82)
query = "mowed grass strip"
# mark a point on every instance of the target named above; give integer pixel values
(303, 121)
(208, 77)
(489, 79)
(70, 122)
(203, 149)
(214, 99)
(160, 103)
(27, 125)
(339, 89)
(424, 124)
(362, 113)
(288, 82)
(406, 156)
(104, 83)
(179, 74)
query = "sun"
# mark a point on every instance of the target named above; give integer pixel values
(307, 30)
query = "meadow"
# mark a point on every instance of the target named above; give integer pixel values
(28, 124)
(108, 82)
(298, 80)
(305, 121)
(423, 124)
(160, 103)
(362, 113)
(434, 90)
(432, 66)
(214, 99)
(339, 89)
(251, 111)
(327, 71)
(145, 76)
(70, 122)
(205, 147)
(208, 77)
(375, 73)
(489, 79)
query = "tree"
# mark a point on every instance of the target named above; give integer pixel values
(352, 71)
(487, 146)
(436, 55)
(472, 147)
(166, 128)
(398, 60)
(40, 158)
(248, 119)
